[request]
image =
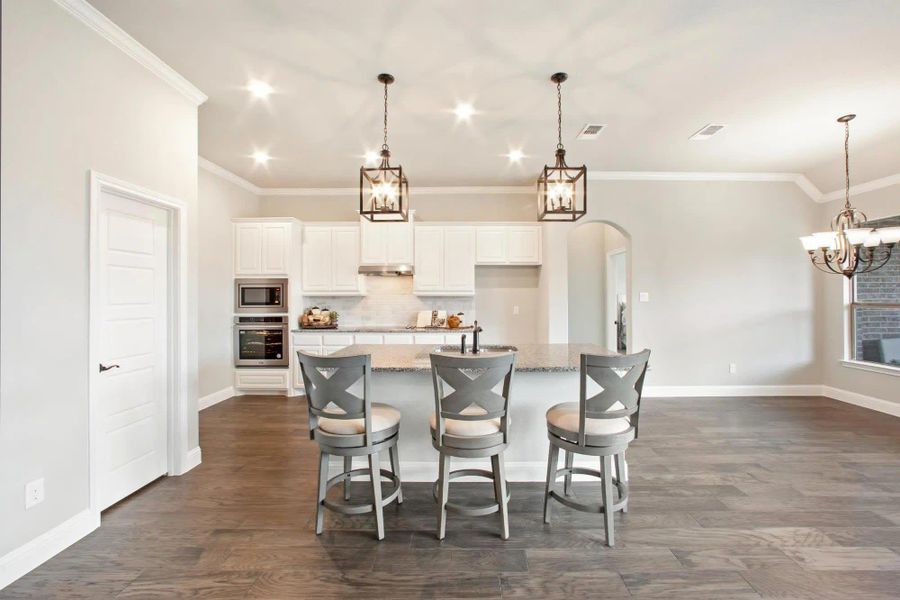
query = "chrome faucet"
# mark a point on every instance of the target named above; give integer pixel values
(475, 331)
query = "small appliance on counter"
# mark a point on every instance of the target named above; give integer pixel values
(318, 318)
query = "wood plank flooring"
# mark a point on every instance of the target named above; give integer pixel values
(731, 498)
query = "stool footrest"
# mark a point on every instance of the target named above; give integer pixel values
(471, 511)
(593, 507)
(360, 509)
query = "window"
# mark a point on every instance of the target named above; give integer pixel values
(875, 309)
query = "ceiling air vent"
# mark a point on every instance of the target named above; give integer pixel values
(590, 131)
(707, 132)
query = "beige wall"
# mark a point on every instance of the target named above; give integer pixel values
(498, 290)
(876, 204)
(219, 201)
(71, 102)
(587, 283)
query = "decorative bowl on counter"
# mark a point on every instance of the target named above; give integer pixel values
(318, 318)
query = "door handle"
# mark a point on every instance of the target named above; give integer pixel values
(105, 368)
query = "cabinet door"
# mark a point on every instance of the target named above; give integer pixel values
(429, 338)
(459, 259)
(247, 249)
(524, 245)
(490, 246)
(276, 248)
(398, 338)
(298, 376)
(317, 261)
(345, 259)
(429, 258)
(373, 242)
(399, 243)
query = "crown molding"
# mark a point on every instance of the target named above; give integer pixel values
(862, 188)
(93, 18)
(208, 165)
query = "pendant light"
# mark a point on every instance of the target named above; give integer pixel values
(562, 190)
(384, 190)
(850, 247)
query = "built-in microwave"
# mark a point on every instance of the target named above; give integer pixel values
(260, 295)
(261, 341)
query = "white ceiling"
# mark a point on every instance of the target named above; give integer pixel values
(778, 73)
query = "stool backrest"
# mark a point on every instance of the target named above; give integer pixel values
(622, 380)
(475, 391)
(326, 380)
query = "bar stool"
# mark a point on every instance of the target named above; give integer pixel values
(472, 421)
(599, 425)
(348, 425)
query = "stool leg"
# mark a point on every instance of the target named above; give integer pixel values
(443, 492)
(622, 476)
(348, 466)
(499, 470)
(552, 461)
(395, 469)
(567, 485)
(375, 473)
(608, 500)
(323, 483)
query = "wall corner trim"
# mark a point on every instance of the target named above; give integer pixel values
(118, 37)
(216, 397)
(192, 458)
(31, 555)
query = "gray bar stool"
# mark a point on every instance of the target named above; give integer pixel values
(600, 425)
(348, 425)
(471, 421)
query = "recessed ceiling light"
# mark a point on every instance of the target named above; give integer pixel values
(261, 157)
(707, 131)
(259, 89)
(464, 111)
(515, 155)
(371, 157)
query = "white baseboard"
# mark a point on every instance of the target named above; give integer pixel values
(20, 561)
(216, 397)
(192, 459)
(706, 391)
(870, 402)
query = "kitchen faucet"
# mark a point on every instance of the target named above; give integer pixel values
(475, 331)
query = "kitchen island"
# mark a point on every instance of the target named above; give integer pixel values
(546, 374)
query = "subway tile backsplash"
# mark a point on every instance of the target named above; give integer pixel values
(390, 302)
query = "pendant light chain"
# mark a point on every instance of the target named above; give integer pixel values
(847, 164)
(384, 146)
(559, 144)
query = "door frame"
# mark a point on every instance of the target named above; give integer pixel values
(611, 296)
(178, 454)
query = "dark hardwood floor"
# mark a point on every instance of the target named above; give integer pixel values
(741, 498)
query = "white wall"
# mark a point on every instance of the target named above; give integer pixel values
(876, 204)
(586, 253)
(219, 201)
(498, 291)
(71, 102)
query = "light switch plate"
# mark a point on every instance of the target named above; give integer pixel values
(644, 297)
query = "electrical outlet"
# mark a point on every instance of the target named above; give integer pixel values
(516, 309)
(644, 297)
(34, 492)
(732, 368)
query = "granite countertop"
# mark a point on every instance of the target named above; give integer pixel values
(386, 329)
(547, 358)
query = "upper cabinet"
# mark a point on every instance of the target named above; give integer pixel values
(386, 243)
(444, 261)
(266, 246)
(508, 245)
(331, 261)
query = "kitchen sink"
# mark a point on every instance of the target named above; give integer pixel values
(481, 349)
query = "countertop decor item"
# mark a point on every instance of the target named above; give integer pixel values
(318, 318)
(850, 247)
(562, 190)
(384, 190)
(453, 321)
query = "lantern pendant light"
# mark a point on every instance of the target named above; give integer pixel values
(850, 247)
(384, 190)
(562, 190)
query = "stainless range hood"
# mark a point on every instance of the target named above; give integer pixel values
(387, 270)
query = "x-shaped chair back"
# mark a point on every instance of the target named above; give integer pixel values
(621, 378)
(475, 391)
(326, 380)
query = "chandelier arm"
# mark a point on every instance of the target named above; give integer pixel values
(823, 262)
(874, 263)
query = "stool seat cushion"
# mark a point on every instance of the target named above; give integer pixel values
(565, 416)
(384, 416)
(458, 428)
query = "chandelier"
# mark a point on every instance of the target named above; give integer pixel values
(562, 190)
(850, 247)
(384, 190)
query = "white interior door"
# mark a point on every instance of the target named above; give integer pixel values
(616, 292)
(133, 328)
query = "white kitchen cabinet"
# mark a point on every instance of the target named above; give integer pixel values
(445, 261)
(508, 245)
(331, 261)
(398, 338)
(261, 379)
(264, 246)
(386, 243)
(368, 338)
(429, 338)
(298, 376)
(453, 338)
